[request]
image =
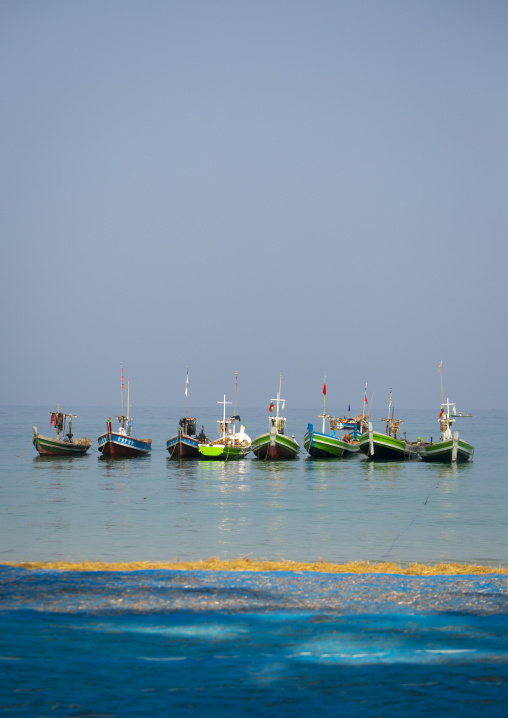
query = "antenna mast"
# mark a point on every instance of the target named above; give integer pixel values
(186, 395)
(278, 397)
(441, 373)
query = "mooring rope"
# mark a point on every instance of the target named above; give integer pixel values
(385, 555)
(30, 442)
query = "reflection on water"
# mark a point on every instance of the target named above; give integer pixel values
(60, 463)
(223, 470)
(123, 466)
(376, 470)
(276, 469)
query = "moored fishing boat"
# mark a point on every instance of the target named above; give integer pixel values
(64, 444)
(450, 448)
(231, 444)
(323, 445)
(387, 446)
(185, 444)
(332, 444)
(275, 444)
(121, 443)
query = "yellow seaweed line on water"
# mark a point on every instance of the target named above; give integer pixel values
(247, 564)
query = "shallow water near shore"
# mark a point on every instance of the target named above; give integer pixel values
(159, 509)
(250, 643)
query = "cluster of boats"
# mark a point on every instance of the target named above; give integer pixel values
(338, 438)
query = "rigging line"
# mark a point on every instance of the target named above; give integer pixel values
(30, 442)
(404, 530)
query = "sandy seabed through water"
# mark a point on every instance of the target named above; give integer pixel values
(247, 564)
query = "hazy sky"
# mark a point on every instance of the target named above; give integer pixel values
(291, 186)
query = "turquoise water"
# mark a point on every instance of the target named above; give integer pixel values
(155, 508)
(249, 644)
(197, 643)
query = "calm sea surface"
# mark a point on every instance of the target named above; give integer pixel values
(285, 644)
(159, 509)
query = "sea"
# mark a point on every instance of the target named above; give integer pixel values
(245, 643)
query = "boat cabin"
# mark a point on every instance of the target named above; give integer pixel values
(188, 425)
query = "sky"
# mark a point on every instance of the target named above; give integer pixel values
(296, 187)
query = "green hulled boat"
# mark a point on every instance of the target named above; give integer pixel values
(342, 438)
(231, 445)
(387, 446)
(64, 444)
(275, 444)
(383, 447)
(450, 448)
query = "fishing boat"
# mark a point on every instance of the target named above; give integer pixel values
(231, 444)
(122, 442)
(325, 445)
(275, 444)
(64, 444)
(185, 444)
(450, 448)
(388, 446)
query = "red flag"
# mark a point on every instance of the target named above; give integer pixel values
(366, 398)
(122, 378)
(324, 388)
(271, 407)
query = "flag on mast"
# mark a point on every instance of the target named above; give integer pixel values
(365, 398)
(324, 387)
(187, 383)
(122, 377)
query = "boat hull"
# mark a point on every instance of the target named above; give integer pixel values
(49, 446)
(383, 448)
(113, 445)
(324, 446)
(273, 448)
(222, 452)
(442, 452)
(183, 447)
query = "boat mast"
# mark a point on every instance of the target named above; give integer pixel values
(388, 415)
(224, 416)
(121, 391)
(441, 373)
(186, 399)
(278, 398)
(324, 404)
(236, 392)
(364, 397)
(128, 380)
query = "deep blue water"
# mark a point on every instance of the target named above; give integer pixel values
(219, 643)
(216, 643)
